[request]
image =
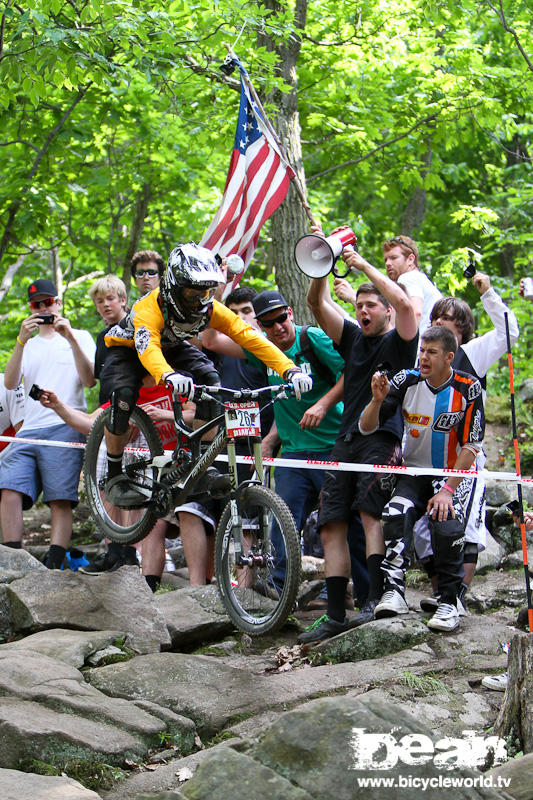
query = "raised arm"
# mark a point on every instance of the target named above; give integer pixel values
(322, 307)
(369, 419)
(406, 323)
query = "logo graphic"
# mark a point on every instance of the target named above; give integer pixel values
(381, 751)
(447, 420)
(474, 390)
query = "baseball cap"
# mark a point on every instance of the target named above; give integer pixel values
(41, 286)
(268, 301)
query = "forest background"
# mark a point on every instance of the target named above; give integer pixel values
(412, 117)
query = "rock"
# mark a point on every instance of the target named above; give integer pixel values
(525, 391)
(518, 772)
(177, 555)
(516, 560)
(522, 620)
(72, 647)
(319, 747)
(194, 615)
(26, 786)
(48, 712)
(491, 557)
(313, 568)
(498, 590)
(252, 780)
(16, 563)
(6, 627)
(498, 493)
(118, 600)
(373, 640)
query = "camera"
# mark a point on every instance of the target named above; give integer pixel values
(36, 392)
(470, 270)
(513, 507)
(46, 319)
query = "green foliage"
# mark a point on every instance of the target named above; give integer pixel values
(95, 775)
(422, 684)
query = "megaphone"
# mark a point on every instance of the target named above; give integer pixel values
(316, 255)
(235, 264)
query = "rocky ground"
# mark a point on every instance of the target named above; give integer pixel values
(108, 691)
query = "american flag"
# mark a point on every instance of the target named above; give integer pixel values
(257, 182)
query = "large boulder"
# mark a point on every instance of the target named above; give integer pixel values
(118, 600)
(48, 712)
(347, 748)
(72, 647)
(374, 640)
(16, 563)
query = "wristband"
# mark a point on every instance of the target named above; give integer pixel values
(449, 488)
(22, 344)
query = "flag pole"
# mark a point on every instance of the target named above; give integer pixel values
(295, 181)
(518, 475)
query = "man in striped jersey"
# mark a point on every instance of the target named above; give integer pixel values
(444, 424)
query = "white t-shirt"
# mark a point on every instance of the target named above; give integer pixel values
(418, 285)
(49, 362)
(11, 409)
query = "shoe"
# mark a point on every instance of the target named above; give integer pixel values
(107, 562)
(365, 613)
(324, 628)
(216, 484)
(430, 603)
(445, 618)
(496, 682)
(121, 493)
(390, 605)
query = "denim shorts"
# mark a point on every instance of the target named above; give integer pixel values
(55, 471)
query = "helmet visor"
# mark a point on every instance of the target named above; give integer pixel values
(196, 299)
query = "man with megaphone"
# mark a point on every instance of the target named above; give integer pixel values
(367, 346)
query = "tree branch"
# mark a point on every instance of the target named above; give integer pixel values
(501, 14)
(352, 161)
(10, 273)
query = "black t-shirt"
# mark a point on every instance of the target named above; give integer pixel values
(236, 373)
(362, 355)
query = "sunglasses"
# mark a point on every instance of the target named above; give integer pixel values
(269, 323)
(47, 302)
(399, 240)
(150, 272)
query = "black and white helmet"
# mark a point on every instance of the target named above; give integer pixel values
(190, 280)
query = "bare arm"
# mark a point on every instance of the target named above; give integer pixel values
(220, 343)
(441, 503)
(320, 303)
(406, 323)
(316, 413)
(78, 420)
(271, 442)
(84, 366)
(369, 419)
(13, 370)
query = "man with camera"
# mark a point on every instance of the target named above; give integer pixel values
(60, 358)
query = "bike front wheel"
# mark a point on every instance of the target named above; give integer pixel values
(257, 561)
(125, 526)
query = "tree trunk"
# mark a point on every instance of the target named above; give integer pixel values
(516, 717)
(290, 221)
(137, 226)
(57, 271)
(415, 210)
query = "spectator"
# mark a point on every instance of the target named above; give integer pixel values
(147, 267)
(11, 411)
(109, 297)
(444, 420)
(363, 347)
(401, 262)
(62, 358)
(474, 356)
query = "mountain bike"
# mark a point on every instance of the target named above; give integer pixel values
(257, 550)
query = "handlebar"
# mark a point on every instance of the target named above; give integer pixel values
(207, 392)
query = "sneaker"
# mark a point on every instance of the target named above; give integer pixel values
(496, 682)
(365, 613)
(323, 628)
(107, 562)
(445, 618)
(390, 605)
(430, 603)
(120, 492)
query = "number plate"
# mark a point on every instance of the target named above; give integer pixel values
(242, 419)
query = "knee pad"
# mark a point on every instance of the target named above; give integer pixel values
(122, 404)
(448, 538)
(470, 553)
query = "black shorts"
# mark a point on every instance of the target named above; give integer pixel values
(122, 367)
(346, 492)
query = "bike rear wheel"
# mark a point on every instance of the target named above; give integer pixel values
(125, 526)
(260, 595)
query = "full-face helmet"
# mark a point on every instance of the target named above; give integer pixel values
(189, 281)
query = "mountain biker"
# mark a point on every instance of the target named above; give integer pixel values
(153, 338)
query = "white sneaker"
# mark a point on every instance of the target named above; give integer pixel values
(496, 682)
(445, 618)
(461, 609)
(390, 605)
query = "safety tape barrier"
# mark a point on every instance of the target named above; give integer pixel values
(298, 463)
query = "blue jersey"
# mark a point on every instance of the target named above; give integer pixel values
(438, 422)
